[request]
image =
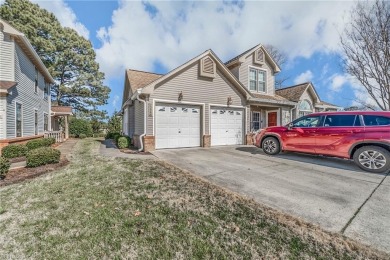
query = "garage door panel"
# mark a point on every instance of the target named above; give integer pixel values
(177, 126)
(226, 126)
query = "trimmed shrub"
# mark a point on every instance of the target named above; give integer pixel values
(82, 136)
(4, 167)
(111, 135)
(42, 156)
(116, 137)
(123, 142)
(79, 126)
(14, 150)
(43, 142)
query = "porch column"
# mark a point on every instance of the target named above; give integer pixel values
(66, 127)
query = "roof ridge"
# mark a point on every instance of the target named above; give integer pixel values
(146, 72)
(293, 86)
(240, 55)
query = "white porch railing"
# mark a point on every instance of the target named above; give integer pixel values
(58, 135)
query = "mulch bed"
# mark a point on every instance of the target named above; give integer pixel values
(17, 159)
(133, 151)
(21, 174)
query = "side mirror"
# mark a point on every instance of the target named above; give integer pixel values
(290, 125)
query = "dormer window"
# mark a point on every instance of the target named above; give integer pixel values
(257, 80)
(207, 67)
(259, 57)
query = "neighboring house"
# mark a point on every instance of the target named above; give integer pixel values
(204, 102)
(307, 99)
(24, 89)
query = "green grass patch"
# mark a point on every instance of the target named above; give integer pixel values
(106, 208)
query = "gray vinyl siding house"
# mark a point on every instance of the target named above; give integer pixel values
(24, 83)
(204, 102)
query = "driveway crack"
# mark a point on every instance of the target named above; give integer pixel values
(364, 203)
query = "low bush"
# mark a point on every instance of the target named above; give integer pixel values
(116, 137)
(111, 135)
(43, 142)
(42, 156)
(4, 167)
(14, 150)
(123, 142)
(82, 136)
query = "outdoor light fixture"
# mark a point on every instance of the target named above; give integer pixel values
(229, 101)
(180, 96)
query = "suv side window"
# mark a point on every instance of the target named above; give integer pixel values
(307, 121)
(373, 120)
(339, 120)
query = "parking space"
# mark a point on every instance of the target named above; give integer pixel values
(330, 192)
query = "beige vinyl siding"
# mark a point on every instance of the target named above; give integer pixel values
(3, 122)
(24, 93)
(236, 72)
(139, 117)
(198, 90)
(244, 74)
(131, 120)
(6, 58)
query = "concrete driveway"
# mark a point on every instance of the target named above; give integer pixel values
(332, 193)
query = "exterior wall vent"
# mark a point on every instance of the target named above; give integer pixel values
(259, 57)
(207, 67)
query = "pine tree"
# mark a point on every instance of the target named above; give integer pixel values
(69, 57)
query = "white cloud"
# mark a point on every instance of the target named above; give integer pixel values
(115, 100)
(64, 14)
(337, 81)
(304, 77)
(170, 33)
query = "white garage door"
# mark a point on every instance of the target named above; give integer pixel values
(177, 126)
(226, 126)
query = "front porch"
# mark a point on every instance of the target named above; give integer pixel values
(59, 123)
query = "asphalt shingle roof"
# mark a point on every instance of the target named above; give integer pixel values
(139, 79)
(292, 93)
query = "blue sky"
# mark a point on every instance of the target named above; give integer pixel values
(159, 36)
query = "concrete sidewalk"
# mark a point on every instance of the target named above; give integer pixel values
(66, 147)
(109, 149)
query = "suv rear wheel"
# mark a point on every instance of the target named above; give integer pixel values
(271, 146)
(372, 158)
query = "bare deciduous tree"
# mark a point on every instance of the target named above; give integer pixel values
(281, 59)
(366, 45)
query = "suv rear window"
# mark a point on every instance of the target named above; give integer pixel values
(339, 120)
(376, 120)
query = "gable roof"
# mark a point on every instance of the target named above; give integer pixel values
(293, 93)
(139, 79)
(240, 57)
(148, 89)
(323, 103)
(26, 46)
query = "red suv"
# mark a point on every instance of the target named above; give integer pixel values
(359, 135)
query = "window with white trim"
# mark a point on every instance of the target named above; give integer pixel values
(45, 122)
(36, 80)
(46, 91)
(305, 108)
(257, 80)
(255, 121)
(36, 122)
(18, 120)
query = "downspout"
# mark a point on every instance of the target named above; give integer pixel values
(145, 118)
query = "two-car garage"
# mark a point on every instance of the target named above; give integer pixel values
(182, 125)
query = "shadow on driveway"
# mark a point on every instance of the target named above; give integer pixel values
(333, 162)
